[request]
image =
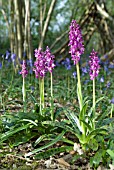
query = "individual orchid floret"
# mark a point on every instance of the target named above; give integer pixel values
(49, 60)
(94, 65)
(76, 42)
(24, 71)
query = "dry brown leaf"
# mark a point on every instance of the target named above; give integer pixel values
(63, 162)
(72, 152)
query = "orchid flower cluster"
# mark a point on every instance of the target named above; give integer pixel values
(24, 71)
(40, 68)
(75, 42)
(49, 60)
(44, 62)
(94, 65)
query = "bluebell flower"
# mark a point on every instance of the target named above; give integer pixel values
(57, 63)
(68, 67)
(105, 56)
(84, 70)
(102, 79)
(106, 62)
(67, 63)
(7, 54)
(108, 84)
(101, 63)
(67, 60)
(106, 68)
(13, 57)
(86, 81)
(74, 74)
(32, 88)
(112, 100)
(31, 71)
(31, 62)
(63, 62)
(0, 65)
(111, 66)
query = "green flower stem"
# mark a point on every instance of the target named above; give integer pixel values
(24, 95)
(79, 87)
(51, 85)
(41, 85)
(40, 95)
(52, 108)
(24, 90)
(43, 92)
(94, 97)
(94, 103)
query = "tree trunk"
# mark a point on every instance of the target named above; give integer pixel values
(12, 41)
(47, 22)
(30, 49)
(19, 27)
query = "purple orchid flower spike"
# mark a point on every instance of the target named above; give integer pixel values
(76, 42)
(49, 60)
(24, 71)
(94, 65)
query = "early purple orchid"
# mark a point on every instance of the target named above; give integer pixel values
(94, 65)
(76, 42)
(24, 71)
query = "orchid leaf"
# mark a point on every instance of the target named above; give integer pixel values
(47, 145)
(52, 152)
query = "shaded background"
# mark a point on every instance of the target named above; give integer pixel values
(29, 24)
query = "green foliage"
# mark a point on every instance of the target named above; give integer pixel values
(55, 140)
(52, 152)
(69, 125)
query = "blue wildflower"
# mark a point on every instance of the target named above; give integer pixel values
(106, 68)
(86, 81)
(0, 65)
(112, 100)
(7, 54)
(102, 79)
(108, 84)
(74, 74)
(32, 88)
(111, 66)
(13, 57)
